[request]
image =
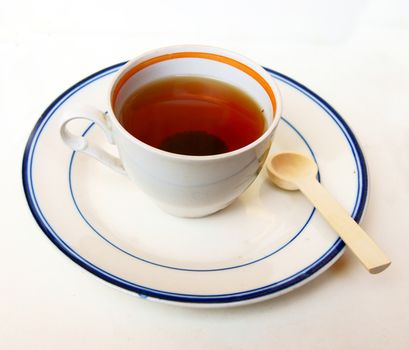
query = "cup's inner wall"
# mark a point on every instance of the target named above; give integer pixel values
(197, 67)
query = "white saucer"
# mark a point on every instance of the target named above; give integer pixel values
(265, 244)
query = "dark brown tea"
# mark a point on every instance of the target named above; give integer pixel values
(193, 116)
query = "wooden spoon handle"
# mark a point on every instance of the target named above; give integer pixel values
(367, 251)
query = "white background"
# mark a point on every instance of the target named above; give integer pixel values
(355, 54)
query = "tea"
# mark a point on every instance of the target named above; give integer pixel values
(192, 115)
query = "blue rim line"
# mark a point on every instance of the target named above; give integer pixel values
(181, 268)
(331, 253)
(356, 151)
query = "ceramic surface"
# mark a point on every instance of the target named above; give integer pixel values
(266, 243)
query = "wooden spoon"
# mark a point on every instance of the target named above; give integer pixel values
(293, 171)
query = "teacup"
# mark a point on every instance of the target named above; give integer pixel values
(182, 185)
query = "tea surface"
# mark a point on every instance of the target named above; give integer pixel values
(192, 115)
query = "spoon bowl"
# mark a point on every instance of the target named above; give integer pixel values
(285, 168)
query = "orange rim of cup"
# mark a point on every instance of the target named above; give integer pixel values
(205, 55)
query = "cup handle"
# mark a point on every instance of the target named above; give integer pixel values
(81, 144)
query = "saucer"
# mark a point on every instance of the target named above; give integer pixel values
(266, 243)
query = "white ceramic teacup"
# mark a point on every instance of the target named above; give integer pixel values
(182, 185)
